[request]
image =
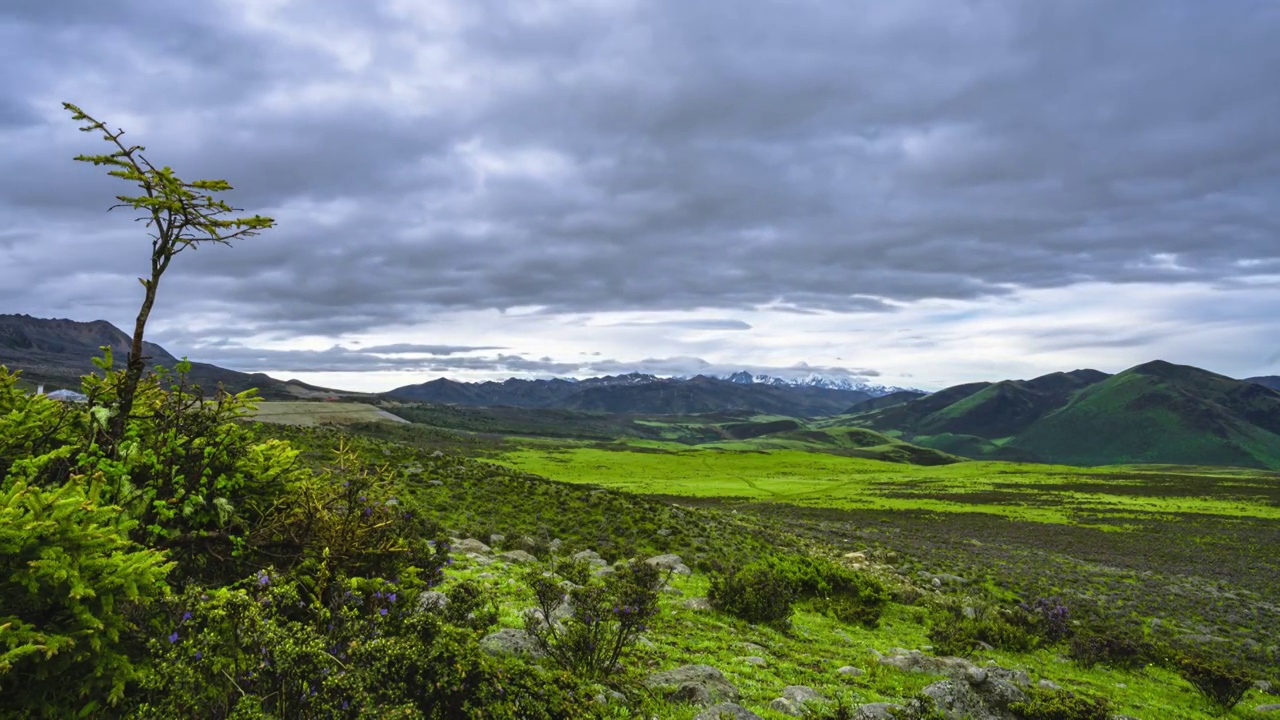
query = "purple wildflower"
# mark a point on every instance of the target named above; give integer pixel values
(173, 638)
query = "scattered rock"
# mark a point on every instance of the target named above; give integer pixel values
(591, 557)
(471, 545)
(753, 648)
(437, 454)
(481, 560)
(432, 601)
(877, 711)
(802, 694)
(1048, 685)
(606, 570)
(916, 661)
(959, 700)
(510, 641)
(670, 562)
(700, 604)
(755, 660)
(518, 557)
(697, 684)
(436, 483)
(1263, 686)
(727, 711)
(1268, 708)
(850, 671)
(497, 539)
(787, 707)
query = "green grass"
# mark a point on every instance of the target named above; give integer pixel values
(319, 413)
(1040, 493)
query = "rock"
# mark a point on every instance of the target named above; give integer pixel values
(988, 700)
(786, 707)
(497, 539)
(1263, 686)
(802, 694)
(753, 648)
(698, 603)
(608, 696)
(432, 601)
(471, 545)
(914, 661)
(518, 557)
(755, 660)
(510, 641)
(437, 454)
(850, 671)
(697, 684)
(670, 562)
(727, 711)
(591, 557)
(606, 570)
(435, 483)
(1048, 685)
(1268, 708)
(876, 711)
(481, 560)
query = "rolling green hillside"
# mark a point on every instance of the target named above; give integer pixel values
(1160, 412)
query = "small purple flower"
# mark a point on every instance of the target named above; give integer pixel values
(186, 616)
(264, 578)
(173, 638)
(199, 655)
(382, 611)
(391, 597)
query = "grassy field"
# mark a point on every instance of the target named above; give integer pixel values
(1039, 493)
(320, 413)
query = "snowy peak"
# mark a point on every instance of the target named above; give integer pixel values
(812, 380)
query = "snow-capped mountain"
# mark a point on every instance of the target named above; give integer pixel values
(813, 380)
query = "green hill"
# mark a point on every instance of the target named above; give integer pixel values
(1160, 412)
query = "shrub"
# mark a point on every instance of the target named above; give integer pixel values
(1116, 646)
(606, 617)
(1223, 686)
(1045, 704)
(68, 576)
(470, 605)
(756, 593)
(1050, 617)
(953, 631)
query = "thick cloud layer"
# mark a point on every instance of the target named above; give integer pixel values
(617, 156)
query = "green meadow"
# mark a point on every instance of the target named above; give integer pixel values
(1040, 493)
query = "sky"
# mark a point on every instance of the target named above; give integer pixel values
(912, 193)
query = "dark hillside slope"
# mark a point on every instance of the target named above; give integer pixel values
(884, 401)
(56, 352)
(1271, 381)
(1162, 413)
(1007, 407)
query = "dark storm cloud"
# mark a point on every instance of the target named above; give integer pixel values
(611, 155)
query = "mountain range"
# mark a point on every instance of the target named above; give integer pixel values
(638, 393)
(1157, 412)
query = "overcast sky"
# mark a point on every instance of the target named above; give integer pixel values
(918, 192)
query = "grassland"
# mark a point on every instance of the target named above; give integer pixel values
(320, 413)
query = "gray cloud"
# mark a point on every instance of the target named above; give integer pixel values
(412, 349)
(693, 324)
(640, 156)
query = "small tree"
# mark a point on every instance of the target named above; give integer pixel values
(180, 214)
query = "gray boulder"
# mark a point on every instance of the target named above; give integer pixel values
(850, 671)
(727, 711)
(787, 707)
(471, 545)
(519, 557)
(1268, 708)
(510, 641)
(696, 684)
(987, 698)
(877, 711)
(670, 562)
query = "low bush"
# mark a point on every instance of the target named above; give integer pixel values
(1116, 646)
(756, 593)
(1050, 617)
(606, 616)
(1221, 685)
(959, 630)
(763, 591)
(1046, 704)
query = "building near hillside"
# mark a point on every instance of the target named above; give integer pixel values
(67, 396)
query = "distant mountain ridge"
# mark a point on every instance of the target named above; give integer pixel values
(57, 352)
(1157, 412)
(814, 380)
(637, 393)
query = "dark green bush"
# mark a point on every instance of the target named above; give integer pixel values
(1116, 646)
(470, 605)
(755, 593)
(606, 617)
(1223, 686)
(763, 591)
(1045, 704)
(953, 631)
